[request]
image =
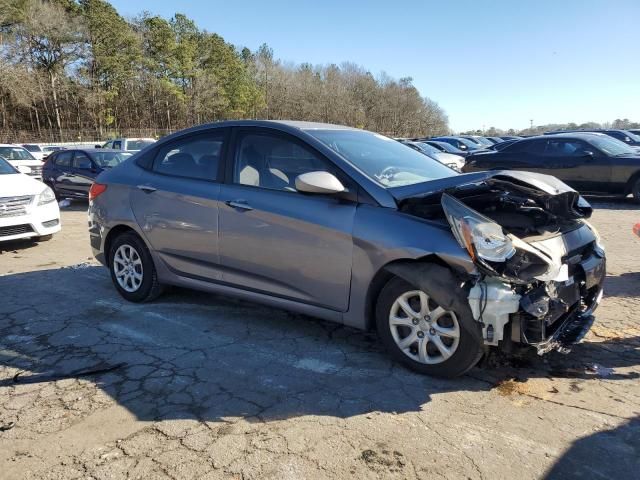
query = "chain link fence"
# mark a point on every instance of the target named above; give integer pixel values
(81, 137)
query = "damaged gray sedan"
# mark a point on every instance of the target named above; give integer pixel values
(353, 227)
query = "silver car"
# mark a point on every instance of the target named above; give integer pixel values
(356, 228)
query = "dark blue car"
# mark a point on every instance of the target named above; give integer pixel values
(70, 173)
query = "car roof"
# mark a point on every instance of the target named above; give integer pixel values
(565, 135)
(280, 124)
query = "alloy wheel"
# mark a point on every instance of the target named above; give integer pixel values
(127, 266)
(423, 330)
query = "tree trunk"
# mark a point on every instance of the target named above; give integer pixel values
(56, 106)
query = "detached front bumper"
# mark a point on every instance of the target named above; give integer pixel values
(572, 314)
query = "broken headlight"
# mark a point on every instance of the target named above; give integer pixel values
(482, 237)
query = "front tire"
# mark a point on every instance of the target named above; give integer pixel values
(423, 335)
(132, 269)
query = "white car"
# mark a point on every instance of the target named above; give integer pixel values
(456, 162)
(35, 150)
(128, 144)
(20, 157)
(28, 208)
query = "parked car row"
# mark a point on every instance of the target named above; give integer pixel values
(592, 163)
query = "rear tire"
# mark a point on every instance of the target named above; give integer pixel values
(462, 350)
(132, 269)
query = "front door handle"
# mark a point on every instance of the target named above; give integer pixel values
(147, 188)
(239, 204)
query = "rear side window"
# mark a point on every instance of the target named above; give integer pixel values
(63, 159)
(193, 157)
(535, 147)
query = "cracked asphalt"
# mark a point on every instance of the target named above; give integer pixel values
(200, 386)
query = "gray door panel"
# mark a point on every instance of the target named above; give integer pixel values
(287, 244)
(179, 218)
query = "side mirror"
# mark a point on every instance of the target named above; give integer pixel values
(318, 182)
(97, 146)
(587, 153)
(24, 169)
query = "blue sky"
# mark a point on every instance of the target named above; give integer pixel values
(487, 63)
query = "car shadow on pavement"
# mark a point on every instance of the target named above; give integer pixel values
(16, 246)
(613, 203)
(626, 285)
(198, 355)
(607, 454)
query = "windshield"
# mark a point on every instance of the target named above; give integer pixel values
(15, 153)
(428, 149)
(448, 147)
(611, 146)
(138, 144)
(387, 162)
(633, 136)
(109, 159)
(33, 148)
(480, 140)
(6, 168)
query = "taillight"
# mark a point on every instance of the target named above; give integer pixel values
(96, 190)
(636, 229)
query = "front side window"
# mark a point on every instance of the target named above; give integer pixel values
(193, 157)
(387, 162)
(82, 161)
(117, 145)
(273, 162)
(63, 159)
(565, 148)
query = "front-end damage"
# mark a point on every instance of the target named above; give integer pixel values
(539, 263)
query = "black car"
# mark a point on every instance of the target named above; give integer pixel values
(623, 135)
(589, 163)
(70, 173)
(504, 144)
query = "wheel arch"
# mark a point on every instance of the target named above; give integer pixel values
(385, 273)
(114, 233)
(632, 179)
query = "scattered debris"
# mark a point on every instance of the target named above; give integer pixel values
(7, 426)
(79, 266)
(599, 370)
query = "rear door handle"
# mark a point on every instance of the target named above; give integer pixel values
(147, 188)
(239, 204)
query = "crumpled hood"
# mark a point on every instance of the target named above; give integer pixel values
(539, 181)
